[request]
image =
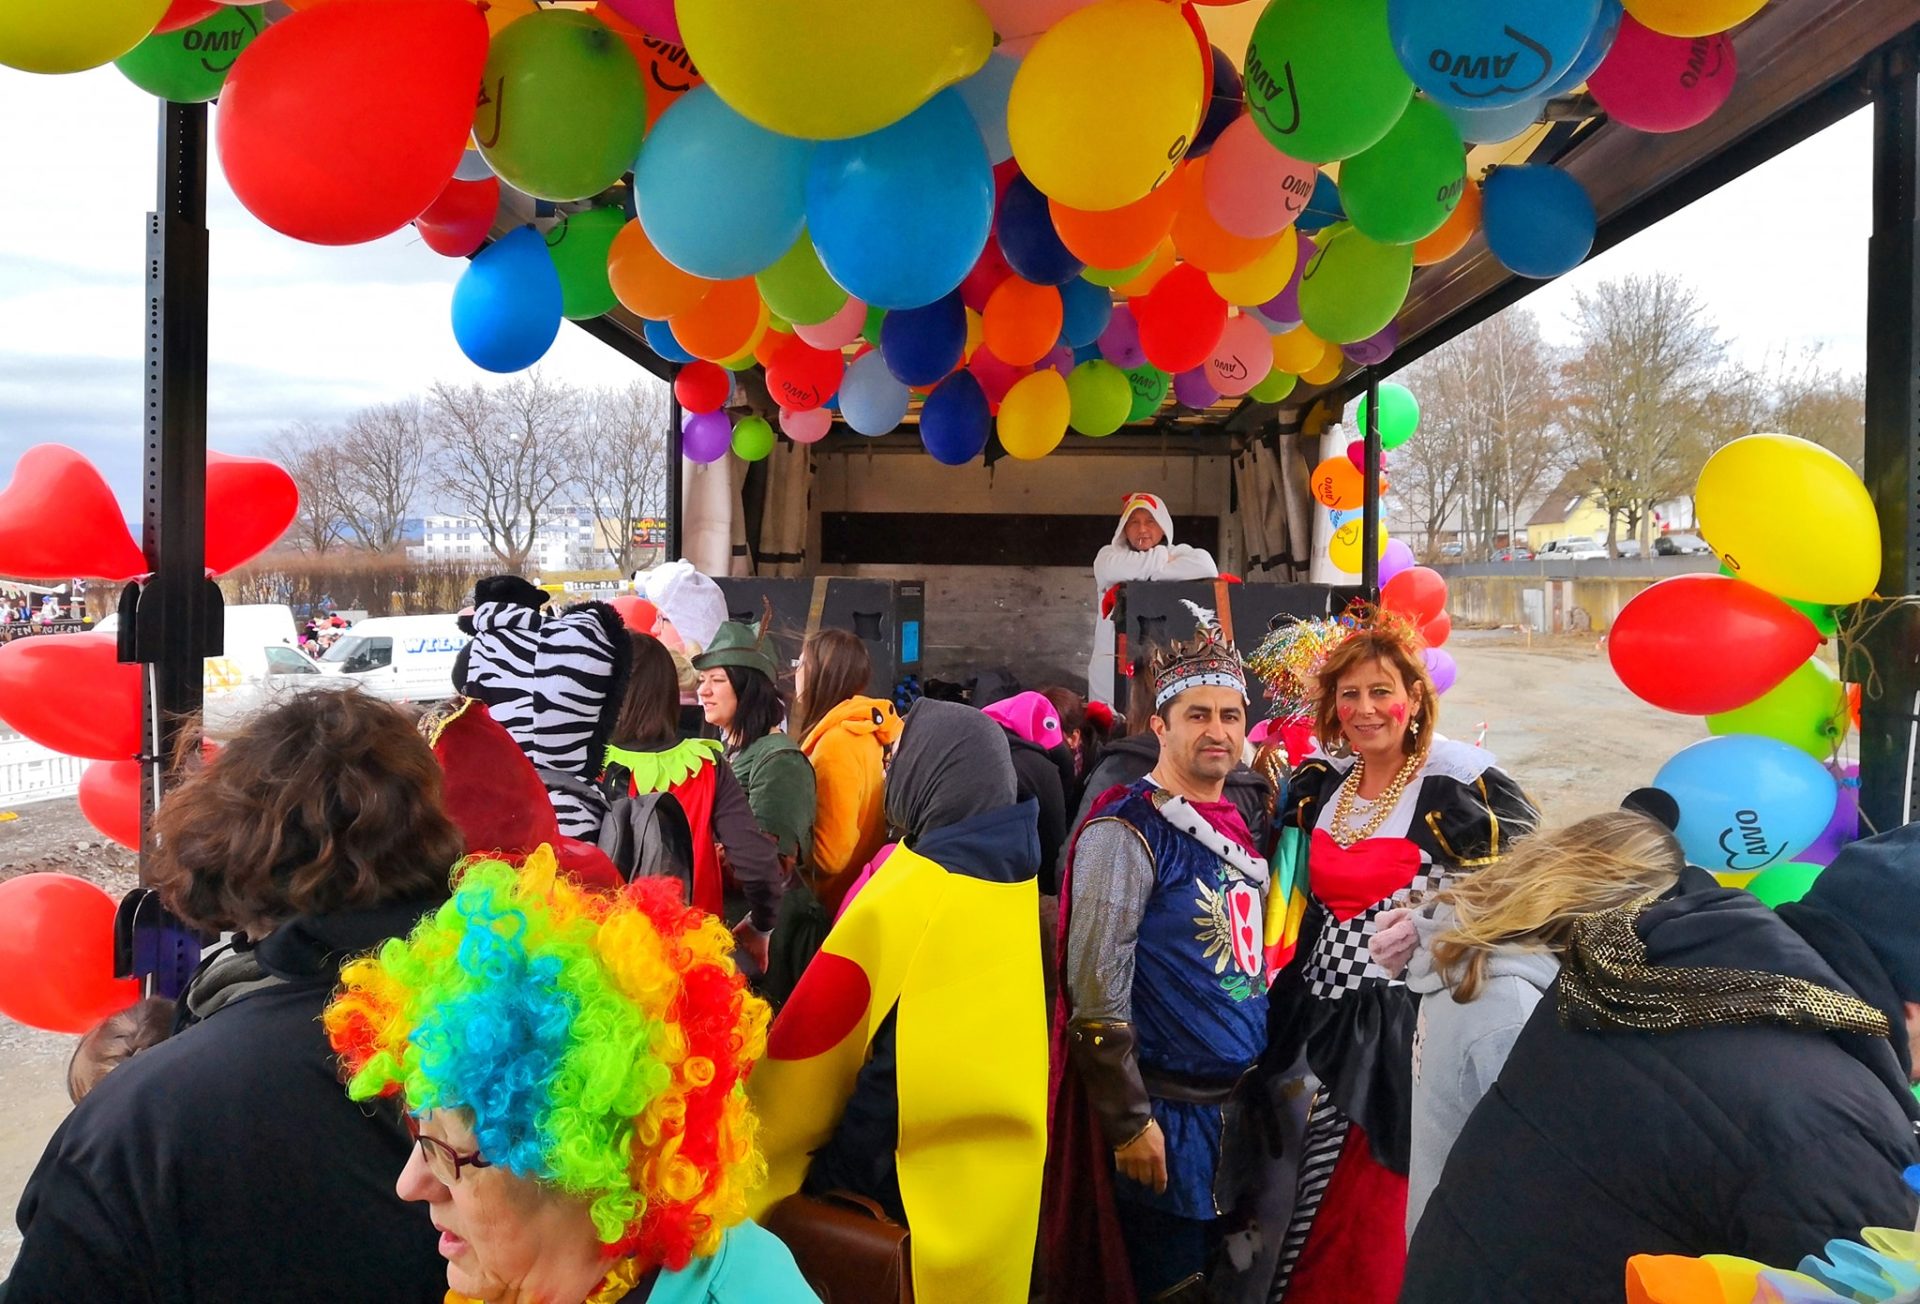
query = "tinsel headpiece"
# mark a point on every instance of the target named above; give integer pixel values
(1288, 661)
(1210, 660)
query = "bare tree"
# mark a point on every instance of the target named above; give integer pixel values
(309, 454)
(620, 463)
(503, 456)
(1819, 403)
(382, 460)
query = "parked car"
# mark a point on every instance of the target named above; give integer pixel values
(1680, 545)
(258, 666)
(1574, 548)
(1521, 553)
(1628, 547)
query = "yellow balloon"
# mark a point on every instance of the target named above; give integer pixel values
(1033, 415)
(73, 35)
(1735, 878)
(1789, 516)
(1692, 17)
(1105, 104)
(1344, 549)
(1260, 279)
(1298, 351)
(976, 331)
(1327, 370)
(830, 69)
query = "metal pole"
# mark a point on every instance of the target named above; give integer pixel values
(1370, 507)
(676, 421)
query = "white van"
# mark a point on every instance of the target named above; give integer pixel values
(259, 664)
(399, 658)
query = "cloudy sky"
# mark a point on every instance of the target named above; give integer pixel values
(301, 332)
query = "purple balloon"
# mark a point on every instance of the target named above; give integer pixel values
(1194, 390)
(1273, 327)
(706, 436)
(1440, 668)
(1394, 558)
(1120, 341)
(1376, 348)
(1061, 360)
(1285, 306)
(1844, 827)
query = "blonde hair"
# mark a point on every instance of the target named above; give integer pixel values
(1551, 880)
(1392, 640)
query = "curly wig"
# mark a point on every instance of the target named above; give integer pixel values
(598, 1040)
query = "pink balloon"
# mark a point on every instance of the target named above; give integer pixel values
(1357, 454)
(839, 330)
(1242, 358)
(1252, 189)
(1652, 82)
(654, 17)
(807, 427)
(1022, 22)
(995, 377)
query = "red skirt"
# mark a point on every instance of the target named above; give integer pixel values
(1357, 1250)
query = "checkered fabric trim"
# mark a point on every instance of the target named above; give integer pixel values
(1340, 962)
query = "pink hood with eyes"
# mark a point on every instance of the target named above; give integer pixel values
(1031, 716)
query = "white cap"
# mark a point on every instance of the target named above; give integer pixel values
(689, 599)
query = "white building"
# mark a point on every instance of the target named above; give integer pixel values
(566, 540)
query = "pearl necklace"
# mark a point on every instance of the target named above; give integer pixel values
(1343, 831)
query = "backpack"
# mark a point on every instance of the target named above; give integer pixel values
(649, 836)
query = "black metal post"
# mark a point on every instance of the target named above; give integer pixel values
(675, 476)
(1370, 507)
(1889, 661)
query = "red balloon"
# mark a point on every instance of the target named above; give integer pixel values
(801, 377)
(58, 519)
(40, 697)
(250, 504)
(1417, 593)
(1180, 319)
(110, 799)
(636, 613)
(1703, 644)
(991, 269)
(703, 386)
(343, 122)
(1438, 630)
(56, 954)
(457, 223)
(185, 13)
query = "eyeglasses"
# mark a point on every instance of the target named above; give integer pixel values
(443, 1161)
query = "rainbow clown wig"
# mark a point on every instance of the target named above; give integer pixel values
(598, 1040)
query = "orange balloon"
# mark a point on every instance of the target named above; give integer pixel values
(767, 345)
(666, 70)
(1454, 233)
(1022, 321)
(1337, 483)
(1160, 262)
(646, 283)
(1299, 351)
(1119, 237)
(724, 324)
(499, 13)
(1204, 242)
(1327, 370)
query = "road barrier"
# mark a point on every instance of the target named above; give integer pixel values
(31, 773)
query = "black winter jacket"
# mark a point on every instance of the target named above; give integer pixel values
(1758, 1140)
(1131, 759)
(227, 1163)
(1045, 775)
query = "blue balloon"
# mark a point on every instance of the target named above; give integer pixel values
(1323, 206)
(899, 216)
(1538, 219)
(1228, 102)
(923, 344)
(506, 306)
(1488, 126)
(1486, 53)
(1086, 353)
(1085, 311)
(954, 422)
(986, 95)
(659, 337)
(1747, 802)
(719, 196)
(1599, 41)
(872, 402)
(1032, 247)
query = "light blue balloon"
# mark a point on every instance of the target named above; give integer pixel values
(659, 337)
(506, 305)
(1339, 516)
(986, 95)
(1539, 221)
(1490, 126)
(1747, 802)
(719, 196)
(1488, 53)
(872, 402)
(900, 216)
(1599, 41)
(1085, 310)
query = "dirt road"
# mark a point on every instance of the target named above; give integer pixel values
(1553, 713)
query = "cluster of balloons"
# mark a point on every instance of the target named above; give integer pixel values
(1419, 593)
(1767, 796)
(1339, 485)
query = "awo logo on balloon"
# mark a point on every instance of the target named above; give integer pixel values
(1745, 844)
(1475, 70)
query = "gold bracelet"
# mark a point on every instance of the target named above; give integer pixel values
(1136, 1136)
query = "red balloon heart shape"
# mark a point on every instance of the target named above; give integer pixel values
(38, 682)
(250, 504)
(1703, 644)
(343, 122)
(110, 799)
(58, 519)
(56, 954)
(456, 224)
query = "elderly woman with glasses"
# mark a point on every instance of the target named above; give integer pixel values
(570, 1064)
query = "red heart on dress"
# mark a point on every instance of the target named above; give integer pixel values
(250, 504)
(58, 519)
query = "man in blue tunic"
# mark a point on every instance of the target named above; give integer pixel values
(1164, 970)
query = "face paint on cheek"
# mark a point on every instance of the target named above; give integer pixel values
(1345, 711)
(1399, 712)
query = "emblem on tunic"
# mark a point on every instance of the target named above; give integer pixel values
(1231, 933)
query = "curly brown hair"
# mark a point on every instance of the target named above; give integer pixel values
(328, 803)
(1392, 640)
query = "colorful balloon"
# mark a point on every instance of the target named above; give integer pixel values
(1266, 276)
(506, 305)
(1782, 884)
(1024, 231)
(720, 197)
(872, 401)
(1791, 517)
(1086, 309)
(808, 427)
(56, 36)
(752, 439)
(110, 799)
(802, 377)
(654, 17)
(1192, 389)
(1487, 53)
(1454, 233)
(1747, 803)
(1692, 17)
(1418, 593)
(1226, 100)
(837, 331)
(1299, 351)
(59, 517)
(579, 245)
(798, 288)
(659, 338)
(706, 437)
(1394, 558)
(725, 323)
(986, 95)
(899, 217)
(1438, 630)
(458, 222)
(1106, 103)
(1657, 83)
(1538, 219)
(1149, 385)
(1252, 189)
(1703, 644)
(1442, 669)
(1022, 321)
(1354, 285)
(1376, 348)
(1241, 358)
(1405, 186)
(562, 109)
(1491, 126)
(1119, 237)
(250, 503)
(645, 282)
(1022, 22)
(1181, 319)
(1120, 341)
(1322, 79)
(1399, 414)
(702, 387)
(955, 419)
(1337, 484)
(1808, 709)
(1099, 398)
(37, 679)
(189, 65)
(1275, 387)
(1033, 416)
(1600, 39)
(920, 345)
(56, 954)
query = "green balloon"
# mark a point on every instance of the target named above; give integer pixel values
(1323, 82)
(1100, 398)
(1110, 277)
(578, 244)
(562, 108)
(1783, 883)
(1275, 387)
(1353, 286)
(1404, 187)
(1808, 709)
(190, 65)
(798, 288)
(871, 331)
(1826, 619)
(1399, 414)
(1149, 385)
(752, 439)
